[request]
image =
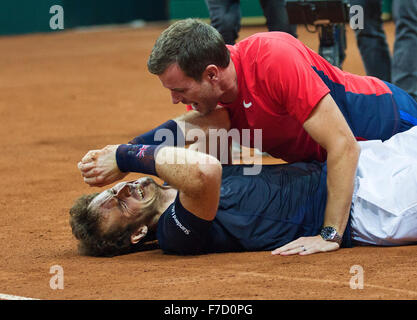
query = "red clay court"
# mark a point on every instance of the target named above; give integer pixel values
(64, 93)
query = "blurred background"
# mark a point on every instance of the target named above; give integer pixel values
(27, 16)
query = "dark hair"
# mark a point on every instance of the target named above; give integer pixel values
(192, 44)
(85, 225)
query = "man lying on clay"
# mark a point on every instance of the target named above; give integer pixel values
(204, 207)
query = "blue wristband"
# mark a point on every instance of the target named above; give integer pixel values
(176, 136)
(136, 158)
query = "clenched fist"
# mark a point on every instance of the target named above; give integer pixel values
(99, 167)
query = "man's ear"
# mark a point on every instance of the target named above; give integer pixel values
(137, 235)
(212, 72)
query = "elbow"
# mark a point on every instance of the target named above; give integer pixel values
(346, 149)
(354, 150)
(208, 175)
(211, 173)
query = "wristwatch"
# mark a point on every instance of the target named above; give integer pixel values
(330, 234)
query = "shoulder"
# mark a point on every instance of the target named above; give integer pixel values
(273, 55)
(179, 231)
(269, 43)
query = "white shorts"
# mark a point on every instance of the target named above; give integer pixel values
(384, 204)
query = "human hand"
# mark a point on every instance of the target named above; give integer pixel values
(305, 246)
(99, 167)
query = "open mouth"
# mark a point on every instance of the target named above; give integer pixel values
(139, 191)
(194, 106)
(142, 188)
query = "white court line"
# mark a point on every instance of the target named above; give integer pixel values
(409, 292)
(11, 297)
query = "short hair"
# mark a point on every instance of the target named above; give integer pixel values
(85, 224)
(192, 44)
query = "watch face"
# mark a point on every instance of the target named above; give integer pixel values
(328, 233)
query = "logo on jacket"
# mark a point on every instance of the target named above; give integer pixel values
(247, 105)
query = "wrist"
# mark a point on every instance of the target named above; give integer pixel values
(329, 233)
(136, 158)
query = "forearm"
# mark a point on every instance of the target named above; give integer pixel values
(341, 168)
(185, 169)
(181, 168)
(182, 130)
(190, 121)
(327, 126)
(168, 133)
(221, 150)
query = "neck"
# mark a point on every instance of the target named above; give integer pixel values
(229, 84)
(167, 197)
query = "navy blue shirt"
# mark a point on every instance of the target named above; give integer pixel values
(255, 213)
